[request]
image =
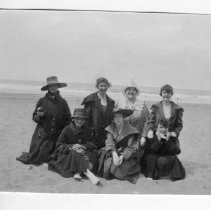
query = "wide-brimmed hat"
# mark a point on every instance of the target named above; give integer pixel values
(133, 85)
(53, 80)
(79, 113)
(124, 112)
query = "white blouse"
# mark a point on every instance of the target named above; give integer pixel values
(103, 100)
(167, 111)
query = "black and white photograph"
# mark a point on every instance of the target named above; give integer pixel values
(105, 101)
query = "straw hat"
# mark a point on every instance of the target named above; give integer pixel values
(53, 80)
(133, 85)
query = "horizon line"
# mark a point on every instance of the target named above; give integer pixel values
(91, 83)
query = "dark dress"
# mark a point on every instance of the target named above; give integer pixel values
(99, 116)
(161, 156)
(161, 159)
(126, 144)
(56, 116)
(67, 161)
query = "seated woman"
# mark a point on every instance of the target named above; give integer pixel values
(120, 157)
(162, 148)
(161, 158)
(76, 153)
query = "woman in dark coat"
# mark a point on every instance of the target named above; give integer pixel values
(51, 114)
(99, 107)
(120, 158)
(76, 153)
(162, 150)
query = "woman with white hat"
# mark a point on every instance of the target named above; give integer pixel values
(51, 114)
(140, 115)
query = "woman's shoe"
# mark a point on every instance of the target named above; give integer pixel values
(77, 177)
(92, 177)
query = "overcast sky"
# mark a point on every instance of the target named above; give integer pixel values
(152, 49)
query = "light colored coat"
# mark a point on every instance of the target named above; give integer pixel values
(139, 118)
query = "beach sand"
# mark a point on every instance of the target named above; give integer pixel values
(17, 128)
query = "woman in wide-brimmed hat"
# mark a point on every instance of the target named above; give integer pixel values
(162, 150)
(140, 115)
(51, 114)
(76, 153)
(120, 158)
(99, 107)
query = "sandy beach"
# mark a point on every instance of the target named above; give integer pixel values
(17, 128)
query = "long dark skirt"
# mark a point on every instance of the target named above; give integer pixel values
(100, 137)
(128, 170)
(157, 166)
(69, 163)
(41, 147)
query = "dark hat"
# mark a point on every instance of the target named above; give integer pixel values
(124, 112)
(53, 80)
(167, 88)
(79, 113)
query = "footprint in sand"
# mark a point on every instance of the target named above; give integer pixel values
(30, 167)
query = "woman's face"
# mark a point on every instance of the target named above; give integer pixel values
(79, 122)
(166, 95)
(118, 119)
(131, 92)
(53, 88)
(103, 87)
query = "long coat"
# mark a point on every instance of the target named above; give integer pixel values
(126, 144)
(174, 123)
(98, 116)
(67, 161)
(56, 116)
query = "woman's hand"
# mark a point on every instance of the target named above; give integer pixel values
(120, 160)
(150, 134)
(78, 146)
(142, 141)
(132, 119)
(158, 134)
(40, 112)
(115, 158)
(61, 148)
(173, 134)
(134, 116)
(169, 134)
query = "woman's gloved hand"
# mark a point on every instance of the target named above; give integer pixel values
(150, 134)
(115, 158)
